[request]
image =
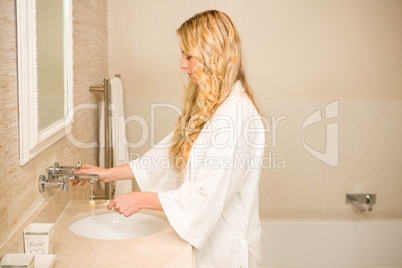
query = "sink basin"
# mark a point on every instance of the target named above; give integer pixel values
(113, 226)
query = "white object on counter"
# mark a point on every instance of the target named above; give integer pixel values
(44, 261)
(18, 260)
(38, 238)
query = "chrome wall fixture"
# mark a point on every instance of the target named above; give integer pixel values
(105, 89)
(358, 199)
(60, 176)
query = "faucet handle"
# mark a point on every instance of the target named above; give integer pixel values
(358, 199)
(78, 166)
(370, 200)
(65, 187)
(56, 167)
(43, 183)
(58, 170)
(52, 171)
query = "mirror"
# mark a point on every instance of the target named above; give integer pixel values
(50, 59)
(45, 73)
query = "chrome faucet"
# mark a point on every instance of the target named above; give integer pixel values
(370, 201)
(60, 175)
(86, 177)
(358, 199)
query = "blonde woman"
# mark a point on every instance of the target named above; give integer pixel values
(209, 186)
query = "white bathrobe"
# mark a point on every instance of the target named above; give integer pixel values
(214, 204)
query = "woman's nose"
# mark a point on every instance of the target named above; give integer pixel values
(183, 64)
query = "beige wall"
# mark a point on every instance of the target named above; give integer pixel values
(19, 196)
(300, 56)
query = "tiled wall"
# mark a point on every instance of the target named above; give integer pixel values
(19, 196)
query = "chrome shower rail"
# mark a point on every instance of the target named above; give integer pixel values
(105, 89)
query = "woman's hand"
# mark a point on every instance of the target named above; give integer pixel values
(89, 169)
(122, 172)
(130, 203)
(126, 204)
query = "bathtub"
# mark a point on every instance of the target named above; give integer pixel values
(331, 244)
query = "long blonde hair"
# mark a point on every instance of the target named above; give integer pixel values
(212, 39)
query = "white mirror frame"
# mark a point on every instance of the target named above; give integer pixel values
(32, 141)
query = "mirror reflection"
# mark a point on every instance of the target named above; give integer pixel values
(50, 61)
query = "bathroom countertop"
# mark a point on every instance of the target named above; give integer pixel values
(163, 249)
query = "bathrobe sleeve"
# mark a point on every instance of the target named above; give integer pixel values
(153, 171)
(218, 167)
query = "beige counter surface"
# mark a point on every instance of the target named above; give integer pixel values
(163, 249)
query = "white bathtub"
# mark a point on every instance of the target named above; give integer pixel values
(331, 244)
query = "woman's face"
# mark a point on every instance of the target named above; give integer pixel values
(188, 64)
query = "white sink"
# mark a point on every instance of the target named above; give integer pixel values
(113, 226)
